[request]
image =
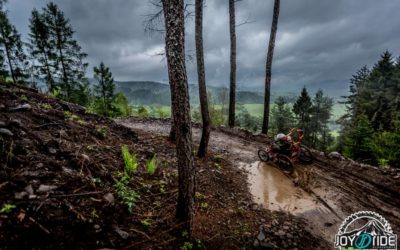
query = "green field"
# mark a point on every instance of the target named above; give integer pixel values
(255, 110)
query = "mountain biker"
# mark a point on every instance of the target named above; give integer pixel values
(283, 143)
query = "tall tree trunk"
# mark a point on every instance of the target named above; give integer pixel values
(175, 51)
(49, 78)
(64, 70)
(172, 135)
(232, 90)
(7, 49)
(274, 28)
(205, 115)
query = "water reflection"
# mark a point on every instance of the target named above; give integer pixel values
(275, 191)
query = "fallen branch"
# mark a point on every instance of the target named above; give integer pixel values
(39, 225)
(80, 194)
(140, 232)
(47, 124)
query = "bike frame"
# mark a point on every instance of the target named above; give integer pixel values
(295, 148)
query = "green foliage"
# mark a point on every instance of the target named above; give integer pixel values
(160, 113)
(94, 214)
(46, 106)
(142, 112)
(59, 57)
(151, 165)
(96, 180)
(372, 108)
(216, 114)
(129, 160)
(386, 148)
(56, 93)
(101, 132)
(129, 197)
(320, 137)
(198, 195)
(12, 48)
(7, 208)
(245, 120)
(104, 90)
(196, 116)
(187, 246)
(184, 234)
(23, 98)
(146, 222)
(204, 205)
(281, 116)
(357, 144)
(122, 106)
(302, 109)
(73, 117)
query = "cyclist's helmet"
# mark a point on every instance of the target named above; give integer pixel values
(279, 137)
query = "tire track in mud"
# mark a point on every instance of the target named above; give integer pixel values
(339, 189)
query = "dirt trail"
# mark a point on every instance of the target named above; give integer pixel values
(324, 193)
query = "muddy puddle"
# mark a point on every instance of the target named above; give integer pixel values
(277, 192)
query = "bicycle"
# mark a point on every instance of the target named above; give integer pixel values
(297, 153)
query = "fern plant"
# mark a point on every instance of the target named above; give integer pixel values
(128, 196)
(151, 165)
(129, 160)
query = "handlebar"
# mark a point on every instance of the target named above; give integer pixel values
(299, 134)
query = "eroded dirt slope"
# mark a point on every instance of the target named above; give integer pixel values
(323, 193)
(58, 170)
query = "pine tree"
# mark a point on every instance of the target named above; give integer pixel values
(105, 90)
(11, 49)
(205, 114)
(368, 131)
(232, 77)
(282, 117)
(268, 66)
(302, 109)
(358, 139)
(41, 50)
(320, 115)
(69, 57)
(175, 51)
(3, 70)
(380, 83)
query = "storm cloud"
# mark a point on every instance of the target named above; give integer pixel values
(320, 43)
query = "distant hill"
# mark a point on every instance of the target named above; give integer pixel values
(150, 93)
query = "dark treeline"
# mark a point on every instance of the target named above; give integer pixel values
(371, 126)
(54, 57)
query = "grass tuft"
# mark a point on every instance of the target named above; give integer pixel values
(151, 165)
(129, 160)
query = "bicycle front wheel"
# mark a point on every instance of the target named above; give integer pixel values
(285, 164)
(263, 155)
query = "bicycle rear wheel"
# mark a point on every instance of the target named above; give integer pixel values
(263, 155)
(285, 164)
(305, 155)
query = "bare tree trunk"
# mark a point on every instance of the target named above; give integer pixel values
(171, 135)
(7, 49)
(274, 28)
(175, 51)
(205, 115)
(232, 91)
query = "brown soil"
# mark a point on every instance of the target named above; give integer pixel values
(59, 171)
(323, 193)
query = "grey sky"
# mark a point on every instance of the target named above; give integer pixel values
(320, 43)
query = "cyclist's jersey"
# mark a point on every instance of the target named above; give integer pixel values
(283, 146)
